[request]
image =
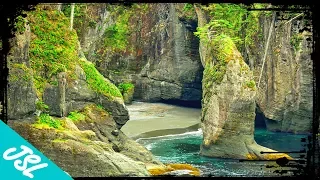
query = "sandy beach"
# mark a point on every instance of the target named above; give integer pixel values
(158, 119)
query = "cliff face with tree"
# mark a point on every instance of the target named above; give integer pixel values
(149, 45)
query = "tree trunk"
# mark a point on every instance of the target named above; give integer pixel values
(71, 16)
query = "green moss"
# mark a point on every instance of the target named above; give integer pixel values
(252, 27)
(99, 106)
(76, 116)
(251, 84)
(20, 24)
(59, 140)
(295, 41)
(116, 35)
(213, 74)
(225, 19)
(25, 75)
(97, 82)
(92, 24)
(125, 87)
(223, 50)
(46, 121)
(231, 20)
(53, 47)
(40, 105)
(188, 7)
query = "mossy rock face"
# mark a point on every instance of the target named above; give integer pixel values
(127, 91)
(53, 47)
(91, 138)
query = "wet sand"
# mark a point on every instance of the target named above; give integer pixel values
(158, 119)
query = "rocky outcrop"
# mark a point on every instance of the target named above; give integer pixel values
(21, 92)
(285, 92)
(228, 114)
(107, 153)
(228, 104)
(76, 94)
(161, 58)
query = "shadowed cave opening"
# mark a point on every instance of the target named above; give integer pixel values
(177, 102)
(259, 121)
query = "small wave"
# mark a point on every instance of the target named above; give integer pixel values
(190, 133)
(149, 146)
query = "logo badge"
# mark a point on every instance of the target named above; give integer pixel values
(19, 160)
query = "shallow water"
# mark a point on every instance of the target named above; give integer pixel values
(164, 134)
(184, 148)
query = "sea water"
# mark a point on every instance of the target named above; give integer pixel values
(184, 148)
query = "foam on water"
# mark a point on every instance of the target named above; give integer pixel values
(174, 136)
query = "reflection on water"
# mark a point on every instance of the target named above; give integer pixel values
(184, 148)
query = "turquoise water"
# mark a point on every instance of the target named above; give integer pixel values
(184, 148)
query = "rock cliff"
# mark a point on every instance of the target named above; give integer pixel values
(161, 55)
(228, 104)
(62, 105)
(285, 93)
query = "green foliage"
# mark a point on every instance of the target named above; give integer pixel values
(125, 87)
(99, 106)
(92, 23)
(226, 19)
(224, 48)
(47, 121)
(252, 26)
(116, 35)
(26, 75)
(231, 20)
(40, 105)
(223, 51)
(251, 84)
(76, 116)
(20, 24)
(295, 41)
(223, 35)
(53, 46)
(214, 74)
(187, 7)
(97, 82)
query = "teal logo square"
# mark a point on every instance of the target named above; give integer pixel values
(19, 160)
